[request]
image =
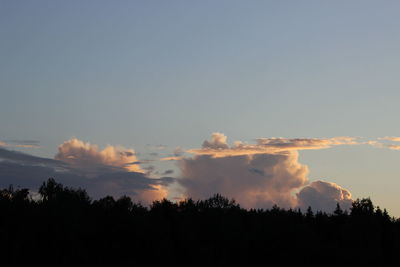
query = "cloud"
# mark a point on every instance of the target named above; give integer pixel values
(171, 158)
(217, 146)
(259, 175)
(26, 159)
(168, 172)
(89, 157)
(257, 181)
(156, 192)
(322, 195)
(390, 146)
(375, 143)
(218, 141)
(111, 171)
(178, 151)
(177, 155)
(391, 138)
(256, 175)
(380, 144)
(20, 143)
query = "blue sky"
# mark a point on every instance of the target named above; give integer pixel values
(140, 73)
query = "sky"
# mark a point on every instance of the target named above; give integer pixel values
(87, 88)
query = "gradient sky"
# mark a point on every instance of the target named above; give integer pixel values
(148, 73)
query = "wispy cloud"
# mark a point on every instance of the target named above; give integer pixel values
(383, 142)
(172, 158)
(20, 143)
(218, 147)
(175, 156)
(391, 138)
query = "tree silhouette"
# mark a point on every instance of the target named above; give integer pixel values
(65, 228)
(362, 207)
(338, 210)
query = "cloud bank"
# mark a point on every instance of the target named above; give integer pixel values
(112, 171)
(262, 174)
(257, 175)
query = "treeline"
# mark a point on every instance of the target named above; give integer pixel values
(66, 228)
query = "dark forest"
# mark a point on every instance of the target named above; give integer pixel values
(67, 228)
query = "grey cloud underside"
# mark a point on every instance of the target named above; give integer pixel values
(167, 172)
(26, 171)
(25, 158)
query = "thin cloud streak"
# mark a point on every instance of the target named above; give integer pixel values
(20, 143)
(391, 138)
(217, 146)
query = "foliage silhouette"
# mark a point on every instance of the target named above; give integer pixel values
(66, 228)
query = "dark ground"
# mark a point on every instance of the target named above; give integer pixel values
(67, 228)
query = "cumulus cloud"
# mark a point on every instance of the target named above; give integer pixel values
(324, 196)
(257, 181)
(260, 175)
(111, 171)
(218, 141)
(89, 157)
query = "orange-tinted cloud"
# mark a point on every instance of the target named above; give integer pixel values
(383, 144)
(259, 175)
(156, 192)
(256, 181)
(20, 143)
(87, 156)
(391, 138)
(171, 158)
(218, 147)
(111, 171)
